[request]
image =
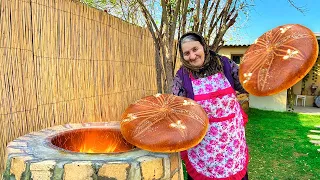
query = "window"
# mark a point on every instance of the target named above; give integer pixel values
(236, 58)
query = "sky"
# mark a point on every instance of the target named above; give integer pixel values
(268, 14)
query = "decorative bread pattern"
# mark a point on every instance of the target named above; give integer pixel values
(278, 59)
(164, 123)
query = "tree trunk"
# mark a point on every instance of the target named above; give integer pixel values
(169, 74)
(168, 65)
(290, 99)
(158, 67)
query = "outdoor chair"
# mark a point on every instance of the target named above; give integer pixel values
(303, 100)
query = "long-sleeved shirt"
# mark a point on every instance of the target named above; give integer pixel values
(179, 90)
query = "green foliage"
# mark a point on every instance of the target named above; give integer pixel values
(128, 10)
(316, 70)
(185, 174)
(99, 4)
(304, 80)
(113, 2)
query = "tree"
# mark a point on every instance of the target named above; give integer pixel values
(210, 18)
(128, 10)
(298, 8)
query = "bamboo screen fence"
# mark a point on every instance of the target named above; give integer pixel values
(63, 62)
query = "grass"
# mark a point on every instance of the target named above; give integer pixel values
(279, 147)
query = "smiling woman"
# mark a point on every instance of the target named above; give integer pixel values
(193, 52)
(211, 80)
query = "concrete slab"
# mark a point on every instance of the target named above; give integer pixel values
(315, 131)
(306, 110)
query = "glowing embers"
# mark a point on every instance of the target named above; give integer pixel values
(92, 140)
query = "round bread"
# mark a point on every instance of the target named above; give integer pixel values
(278, 59)
(164, 123)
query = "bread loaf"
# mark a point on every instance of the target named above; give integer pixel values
(278, 59)
(164, 123)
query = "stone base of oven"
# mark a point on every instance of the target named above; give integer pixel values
(31, 157)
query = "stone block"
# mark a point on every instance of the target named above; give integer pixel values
(24, 138)
(78, 171)
(174, 162)
(57, 128)
(42, 166)
(181, 172)
(18, 165)
(11, 151)
(42, 170)
(17, 144)
(37, 133)
(135, 171)
(117, 171)
(152, 168)
(175, 176)
(178, 175)
(73, 126)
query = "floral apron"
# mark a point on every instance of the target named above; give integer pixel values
(222, 154)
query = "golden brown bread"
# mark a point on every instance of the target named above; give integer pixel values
(278, 59)
(164, 123)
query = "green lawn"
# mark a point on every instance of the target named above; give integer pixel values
(279, 147)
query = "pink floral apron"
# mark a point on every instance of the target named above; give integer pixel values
(222, 154)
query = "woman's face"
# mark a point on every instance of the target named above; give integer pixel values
(193, 53)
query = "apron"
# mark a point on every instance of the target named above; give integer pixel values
(223, 153)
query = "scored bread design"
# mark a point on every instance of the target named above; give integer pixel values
(278, 59)
(164, 123)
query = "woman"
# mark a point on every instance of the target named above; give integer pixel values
(211, 80)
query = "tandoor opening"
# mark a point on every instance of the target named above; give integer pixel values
(92, 140)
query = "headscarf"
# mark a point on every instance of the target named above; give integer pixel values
(211, 64)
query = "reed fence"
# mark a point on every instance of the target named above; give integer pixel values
(63, 62)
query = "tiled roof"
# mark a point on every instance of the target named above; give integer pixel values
(234, 45)
(247, 45)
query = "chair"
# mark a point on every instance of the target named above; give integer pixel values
(303, 100)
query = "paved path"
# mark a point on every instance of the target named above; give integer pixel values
(314, 136)
(307, 110)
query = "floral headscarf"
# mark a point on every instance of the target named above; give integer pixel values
(212, 63)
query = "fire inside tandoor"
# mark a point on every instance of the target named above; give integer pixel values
(92, 140)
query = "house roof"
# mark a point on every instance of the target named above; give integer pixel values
(236, 45)
(317, 35)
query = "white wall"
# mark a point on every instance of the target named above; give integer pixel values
(297, 88)
(228, 51)
(275, 102)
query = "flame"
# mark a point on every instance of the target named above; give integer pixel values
(92, 141)
(89, 147)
